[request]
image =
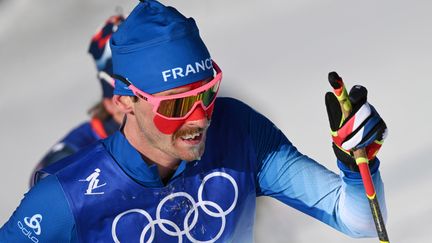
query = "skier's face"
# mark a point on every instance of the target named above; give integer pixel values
(180, 139)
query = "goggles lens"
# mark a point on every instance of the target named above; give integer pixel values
(180, 107)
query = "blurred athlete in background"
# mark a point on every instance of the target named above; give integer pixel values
(105, 117)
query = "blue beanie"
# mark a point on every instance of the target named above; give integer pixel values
(157, 49)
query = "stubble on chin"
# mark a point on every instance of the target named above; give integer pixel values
(190, 153)
(197, 151)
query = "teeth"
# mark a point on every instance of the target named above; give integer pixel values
(190, 136)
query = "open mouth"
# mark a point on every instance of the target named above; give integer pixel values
(192, 138)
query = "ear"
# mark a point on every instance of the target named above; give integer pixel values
(109, 105)
(123, 103)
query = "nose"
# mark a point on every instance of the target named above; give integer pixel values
(198, 117)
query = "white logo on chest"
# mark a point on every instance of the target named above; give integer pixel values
(93, 183)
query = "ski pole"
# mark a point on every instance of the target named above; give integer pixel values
(361, 159)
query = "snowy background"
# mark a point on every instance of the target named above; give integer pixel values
(275, 55)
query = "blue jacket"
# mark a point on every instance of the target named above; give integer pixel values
(107, 193)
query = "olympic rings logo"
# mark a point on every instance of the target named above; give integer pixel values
(193, 212)
(34, 223)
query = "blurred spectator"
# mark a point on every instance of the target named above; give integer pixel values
(105, 117)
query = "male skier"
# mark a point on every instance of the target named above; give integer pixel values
(171, 176)
(105, 117)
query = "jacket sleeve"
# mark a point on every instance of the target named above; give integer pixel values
(42, 216)
(295, 179)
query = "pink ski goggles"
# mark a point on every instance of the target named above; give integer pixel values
(180, 106)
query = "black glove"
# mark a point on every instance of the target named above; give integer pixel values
(362, 128)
